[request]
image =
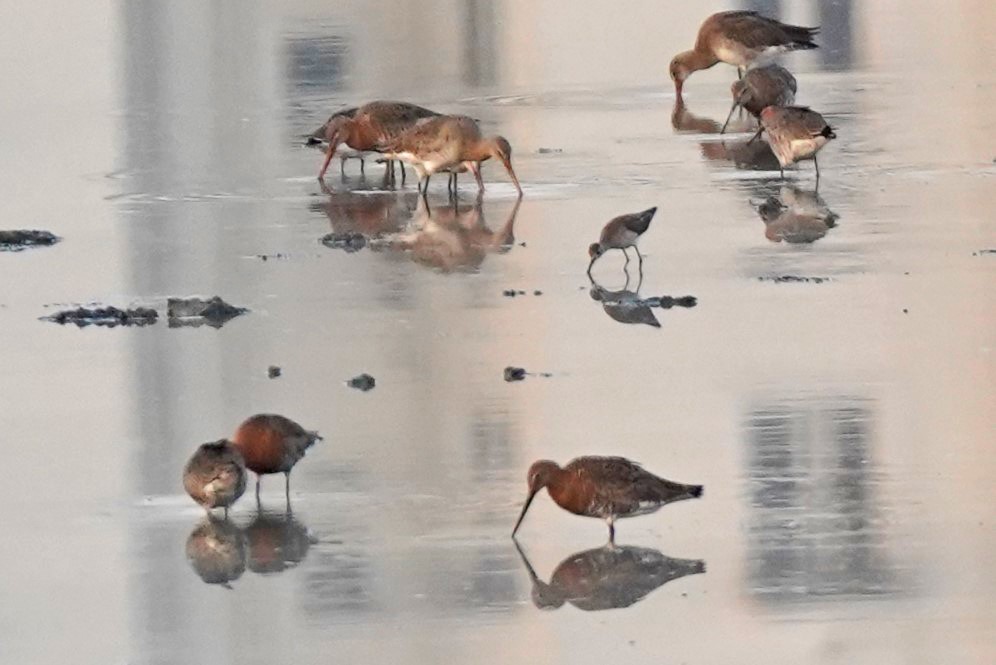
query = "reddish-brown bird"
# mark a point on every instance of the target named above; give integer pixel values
(760, 88)
(620, 233)
(369, 127)
(605, 487)
(272, 444)
(215, 476)
(795, 133)
(738, 38)
(450, 143)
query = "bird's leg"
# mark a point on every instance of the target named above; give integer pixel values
(740, 73)
(226, 512)
(363, 166)
(627, 255)
(475, 167)
(756, 135)
(817, 164)
(257, 489)
(287, 487)
(730, 115)
(342, 166)
(639, 256)
(612, 531)
(401, 165)
(781, 170)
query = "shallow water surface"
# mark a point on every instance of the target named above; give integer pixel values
(832, 387)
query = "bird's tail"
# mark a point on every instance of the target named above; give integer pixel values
(802, 37)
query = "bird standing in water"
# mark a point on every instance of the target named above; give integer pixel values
(795, 133)
(760, 88)
(271, 443)
(604, 487)
(215, 476)
(740, 38)
(620, 233)
(449, 143)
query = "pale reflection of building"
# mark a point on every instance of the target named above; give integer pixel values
(816, 526)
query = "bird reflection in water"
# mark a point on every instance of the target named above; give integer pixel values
(624, 306)
(742, 152)
(369, 213)
(453, 237)
(277, 541)
(216, 550)
(796, 216)
(608, 577)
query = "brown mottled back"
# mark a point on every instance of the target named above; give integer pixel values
(271, 443)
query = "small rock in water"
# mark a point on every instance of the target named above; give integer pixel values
(667, 302)
(537, 292)
(273, 371)
(549, 151)
(514, 373)
(194, 312)
(363, 382)
(267, 257)
(508, 293)
(348, 241)
(109, 317)
(15, 241)
(779, 279)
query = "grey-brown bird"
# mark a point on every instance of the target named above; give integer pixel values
(604, 487)
(739, 38)
(450, 143)
(215, 476)
(760, 88)
(795, 133)
(621, 232)
(369, 127)
(271, 443)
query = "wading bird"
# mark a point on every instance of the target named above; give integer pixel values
(795, 133)
(620, 233)
(604, 487)
(215, 476)
(739, 38)
(760, 88)
(272, 444)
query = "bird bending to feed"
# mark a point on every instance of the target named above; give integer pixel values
(368, 128)
(215, 476)
(605, 487)
(272, 444)
(760, 88)
(795, 133)
(317, 138)
(448, 143)
(620, 233)
(738, 38)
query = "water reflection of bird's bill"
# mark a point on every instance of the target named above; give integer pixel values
(609, 577)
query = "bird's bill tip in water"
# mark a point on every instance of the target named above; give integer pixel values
(522, 515)
(511, 173)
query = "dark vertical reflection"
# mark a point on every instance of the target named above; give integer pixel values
(815, 526)
(316, 64)
(479, 62)
(836, 35)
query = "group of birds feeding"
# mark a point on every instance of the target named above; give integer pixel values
(607, 488)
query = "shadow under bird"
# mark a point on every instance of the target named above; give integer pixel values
(450, 143)
(368, 128)
(621, 232)
(608, 488)
(795, 133)
(760, 88)
(740, 38)
(271, 443)
(609, 577)
(215, 475)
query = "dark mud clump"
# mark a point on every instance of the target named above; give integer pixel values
(273, 372)
(15, 241)
(514, 374)
(108, 317)
(347, 241)
(195, 312)
(362, 382)
(781, 279)
(267, 257)
(983, 252)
